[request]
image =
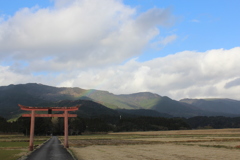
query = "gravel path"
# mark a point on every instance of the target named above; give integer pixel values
(51, 150)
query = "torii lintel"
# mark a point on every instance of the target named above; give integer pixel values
(28, 108)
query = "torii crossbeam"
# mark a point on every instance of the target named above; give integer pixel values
(50, 109)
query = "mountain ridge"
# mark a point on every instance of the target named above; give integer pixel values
(223, 105)
(33, 94)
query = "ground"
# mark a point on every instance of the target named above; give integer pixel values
(219, 144)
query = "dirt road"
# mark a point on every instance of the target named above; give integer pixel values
(51, 150)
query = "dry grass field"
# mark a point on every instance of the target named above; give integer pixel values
(212, 144)
(13, 147)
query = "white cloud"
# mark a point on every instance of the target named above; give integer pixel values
(164, 41)
(9, 77)
(83, 42)
(188, 74)
(78, 34)
(185, 74)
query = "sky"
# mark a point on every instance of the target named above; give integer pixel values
(180, 49)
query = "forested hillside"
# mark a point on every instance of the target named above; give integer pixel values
(144, 103)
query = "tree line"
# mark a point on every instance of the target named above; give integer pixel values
(215, 122)
(55, 126)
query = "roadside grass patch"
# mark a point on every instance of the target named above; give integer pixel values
(10, 154)
(19, 144)
(13, 147)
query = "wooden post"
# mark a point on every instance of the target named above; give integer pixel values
(32, 130)
(66, 129)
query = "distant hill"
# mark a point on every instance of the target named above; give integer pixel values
(223, 106)
(96, 102)
(88, 108)
(142, 112)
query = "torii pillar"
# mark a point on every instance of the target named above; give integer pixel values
(50, 109)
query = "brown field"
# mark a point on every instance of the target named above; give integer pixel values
(209, 144)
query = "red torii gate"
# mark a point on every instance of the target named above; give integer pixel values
(50, 109)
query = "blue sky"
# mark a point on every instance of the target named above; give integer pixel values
(175, 48)
(217, 19)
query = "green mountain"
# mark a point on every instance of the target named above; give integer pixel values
(142, 112)
(223, 106)
(96, 102)
(88, 108)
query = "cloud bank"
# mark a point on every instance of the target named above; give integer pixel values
(94, 45)
(187, 74)
(78, 34)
